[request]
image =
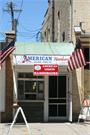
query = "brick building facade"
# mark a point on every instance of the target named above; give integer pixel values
(66, 13)
(68, 16)
(6, 115)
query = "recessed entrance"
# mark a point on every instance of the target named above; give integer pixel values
(57, 97)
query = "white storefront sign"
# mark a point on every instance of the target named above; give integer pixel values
(29, 59)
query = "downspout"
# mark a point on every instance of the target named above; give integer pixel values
(15, 86)
(52, 20)
(51, 27)
(70, 18)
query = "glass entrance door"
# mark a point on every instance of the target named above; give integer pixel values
(57, 98)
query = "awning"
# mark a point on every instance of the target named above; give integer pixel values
(43, 52)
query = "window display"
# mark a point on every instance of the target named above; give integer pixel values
(30, 87)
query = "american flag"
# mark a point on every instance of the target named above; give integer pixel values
(6, 51)
(77, 59)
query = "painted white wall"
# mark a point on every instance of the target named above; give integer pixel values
(2, 88)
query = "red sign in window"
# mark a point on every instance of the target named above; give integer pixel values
(45, 69)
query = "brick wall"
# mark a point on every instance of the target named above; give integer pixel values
(62, 6)
(7, 115)
(80, 12)
(76, 94)
(47, 24)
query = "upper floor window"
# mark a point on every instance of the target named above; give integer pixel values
(48, 35)
(58, 26)
(63, 36)
(45, 37)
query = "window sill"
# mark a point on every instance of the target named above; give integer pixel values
(31, 100)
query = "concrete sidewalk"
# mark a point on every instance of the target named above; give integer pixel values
(47, 129)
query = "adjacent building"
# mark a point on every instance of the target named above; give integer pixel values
(68, 21)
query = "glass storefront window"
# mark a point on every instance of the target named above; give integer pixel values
(40, 87)
(30, 96)
(28, 75)
(30, 87)
(20, 89)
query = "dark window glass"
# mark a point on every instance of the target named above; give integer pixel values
(63, 36)
(61, 86)
(20, 89)
(24, 75)
(52, 86)
(61, 110)
(57, 100)
(21, 75)
(52, 110)
(28, 75)
(86, 52)
(32, 76)
(40, 87)
(87, 67)
(30, 96)
(40, 77)
(30, 86)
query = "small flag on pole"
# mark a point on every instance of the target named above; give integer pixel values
(77, 59)
(6, 51)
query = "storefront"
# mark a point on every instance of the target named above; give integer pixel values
(45, 96)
